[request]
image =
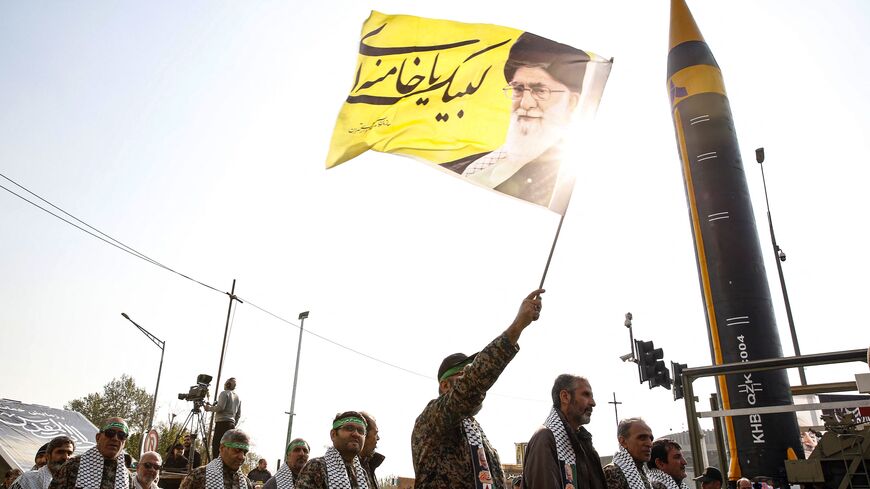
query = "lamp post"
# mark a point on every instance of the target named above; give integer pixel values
(302, 316)
(162, 345)
(779, 258)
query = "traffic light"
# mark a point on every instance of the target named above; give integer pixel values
(647, 356)
(677, 369)
(661, 376)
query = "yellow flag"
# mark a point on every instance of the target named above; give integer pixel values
(490, 103)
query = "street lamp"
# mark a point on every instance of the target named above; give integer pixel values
(780, 257)
(302, 316)
(162, 345)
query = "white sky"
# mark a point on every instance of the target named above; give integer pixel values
(196, 133)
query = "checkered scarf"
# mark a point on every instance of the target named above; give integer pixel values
(564, 450)
(473, 433)
(636, 479)
(336, 474)
(91, 471)
(284, 478)
(656, 475)
(39, 479)
(214, 475)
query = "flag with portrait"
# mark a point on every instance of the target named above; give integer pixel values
(497, 106)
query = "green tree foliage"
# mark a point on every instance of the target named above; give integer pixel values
(122, 398)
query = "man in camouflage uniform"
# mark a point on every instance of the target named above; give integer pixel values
(224, 471)
(449, 449)
(101, 467)
(340, 466)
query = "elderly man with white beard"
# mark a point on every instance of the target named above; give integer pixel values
(544, 83)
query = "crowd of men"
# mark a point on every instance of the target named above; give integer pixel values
(449, 447)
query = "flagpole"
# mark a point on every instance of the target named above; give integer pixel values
(552, 248)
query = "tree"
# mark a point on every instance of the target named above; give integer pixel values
(121, 398)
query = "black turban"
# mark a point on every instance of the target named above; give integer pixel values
(562, 62)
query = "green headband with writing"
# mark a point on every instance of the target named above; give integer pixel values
(297, 443)
(455, 370)
(351, 419)
(120, 426)
(234, 444)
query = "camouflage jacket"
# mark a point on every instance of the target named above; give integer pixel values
(442, 458)
(616, 479)
(67, 475)
(313, 475)
(196, 479)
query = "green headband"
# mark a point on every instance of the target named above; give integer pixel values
(297, 443)
(233, 444)
(115, 424)
(351, 419)
(455, 370)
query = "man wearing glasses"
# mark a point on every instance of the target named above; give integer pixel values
(148, 470)
(101, 467)
(224, 472)
(340, 465)
(544, 80)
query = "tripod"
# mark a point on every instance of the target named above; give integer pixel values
(195, 424)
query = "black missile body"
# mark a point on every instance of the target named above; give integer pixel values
(740, 318)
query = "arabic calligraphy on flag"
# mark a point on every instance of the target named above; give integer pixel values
(489, 103)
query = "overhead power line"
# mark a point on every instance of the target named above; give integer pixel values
(99, 234)
(96, 233)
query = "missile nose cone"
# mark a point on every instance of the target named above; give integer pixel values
(683, 26)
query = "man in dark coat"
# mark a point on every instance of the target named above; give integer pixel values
(561, 451)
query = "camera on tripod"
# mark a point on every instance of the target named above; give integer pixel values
(199, 392)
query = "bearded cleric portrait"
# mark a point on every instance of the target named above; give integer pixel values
(544, 80)
(496, 106)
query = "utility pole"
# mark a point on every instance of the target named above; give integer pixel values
(217, 382)
(615, 408)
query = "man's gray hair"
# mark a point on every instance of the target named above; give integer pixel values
(235, 436)
(565, 382)
(625, 426)
(154, 454)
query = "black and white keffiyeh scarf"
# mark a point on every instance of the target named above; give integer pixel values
(636, 479)
(336, 473)
(479, 458)
(656, 475)
(564, 450)
(284, 478)
(91, 471)
(39, 479)
(214, 475)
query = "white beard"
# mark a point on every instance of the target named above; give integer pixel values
(527, 139)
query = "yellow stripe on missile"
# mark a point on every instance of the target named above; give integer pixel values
(734, 469)
(694, 80)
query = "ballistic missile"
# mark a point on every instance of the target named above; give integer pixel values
(740, 320)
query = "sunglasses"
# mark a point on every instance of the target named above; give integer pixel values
(151, 466)
(118, 434)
